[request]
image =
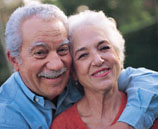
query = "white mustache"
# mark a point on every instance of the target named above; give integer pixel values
(53, 73)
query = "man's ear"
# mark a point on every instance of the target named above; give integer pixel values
(13, 61)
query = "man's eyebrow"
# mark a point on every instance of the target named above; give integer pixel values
(65, 42)
(43, 44)
(36, 44)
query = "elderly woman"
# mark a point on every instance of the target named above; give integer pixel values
(98, 57)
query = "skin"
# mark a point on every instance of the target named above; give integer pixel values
(43, 50)
(97, 67)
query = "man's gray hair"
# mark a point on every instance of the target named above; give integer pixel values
(100, 20)
(13, 31)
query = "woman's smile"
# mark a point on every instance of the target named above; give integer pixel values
(101, 72)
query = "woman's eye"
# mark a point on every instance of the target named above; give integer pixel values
(40, 53)
(104, 48)
(63, 50)
(82, 55)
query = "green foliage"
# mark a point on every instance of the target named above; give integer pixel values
(125, 12)
(4, 71)
(141, 48)
(130, 13)
(55, 2)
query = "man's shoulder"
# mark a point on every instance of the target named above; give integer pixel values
(11, 80)
(11, 117)
(8, 93)
(17, 108)
(10, 98)
(8, 90)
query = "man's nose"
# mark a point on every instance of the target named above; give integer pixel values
(97, 59)
(54, 61)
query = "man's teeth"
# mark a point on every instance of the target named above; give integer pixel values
(53, 76)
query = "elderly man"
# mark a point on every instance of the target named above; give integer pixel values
(38, 48)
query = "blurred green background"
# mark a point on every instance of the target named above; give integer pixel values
(137, 20)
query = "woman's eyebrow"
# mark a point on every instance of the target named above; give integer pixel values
(84, 48)
(101, 42)
(80, 49)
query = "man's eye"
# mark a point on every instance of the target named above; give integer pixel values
(40, 53)
(83, 55)
(63, 50)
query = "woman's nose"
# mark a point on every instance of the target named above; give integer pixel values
(97, 60)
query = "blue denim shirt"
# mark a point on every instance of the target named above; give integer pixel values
(22, 109)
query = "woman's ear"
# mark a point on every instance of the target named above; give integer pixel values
(13, 61)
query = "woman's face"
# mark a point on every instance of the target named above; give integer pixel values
(96, 63)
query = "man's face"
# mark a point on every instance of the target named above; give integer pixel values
(44, 50)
